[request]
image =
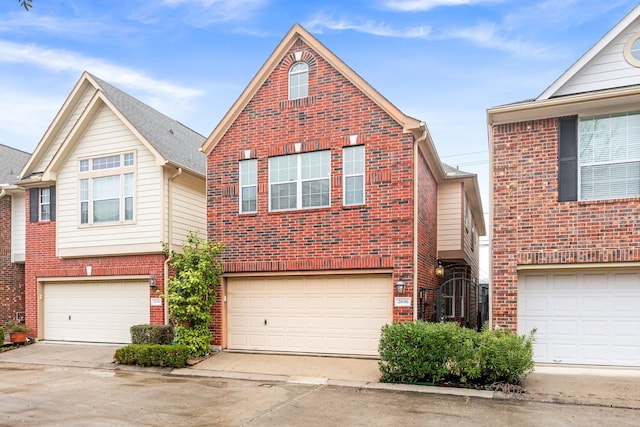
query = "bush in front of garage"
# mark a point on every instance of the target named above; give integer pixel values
(151, 334)
(173, 356)
(419, 352)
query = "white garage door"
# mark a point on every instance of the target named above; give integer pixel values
(582, 317)
(94, 311)
(310, 314)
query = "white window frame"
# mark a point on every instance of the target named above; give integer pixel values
(248, 170)
(44, 204)
(349, 172)
(299, 80)
(121, 166)
(601, 155)
(299, 180)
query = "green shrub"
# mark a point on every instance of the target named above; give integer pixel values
(1, 335)
(415, 352)
(507, 356)
(151, 334)
(197, 339)
(174, 356)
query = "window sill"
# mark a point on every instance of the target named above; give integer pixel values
(608, 201)
(300, 211)
(352, 207)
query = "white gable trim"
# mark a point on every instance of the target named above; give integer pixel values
(590, 54)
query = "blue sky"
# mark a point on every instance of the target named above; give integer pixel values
(441, 61)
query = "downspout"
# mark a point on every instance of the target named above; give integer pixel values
(416, 150)
(169, 243)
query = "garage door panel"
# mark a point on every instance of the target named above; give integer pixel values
(584, 317)
(94, 311)
(325, 314)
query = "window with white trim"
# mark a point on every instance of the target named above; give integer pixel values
(298, 80)
(248, 186)
(353, 175)
(107, 188)
(300, 181)
(45, 204)
(609, 156)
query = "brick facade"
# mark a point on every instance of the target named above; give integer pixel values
(41, 261)
(11, 275)
(530, 227)
(377, 235)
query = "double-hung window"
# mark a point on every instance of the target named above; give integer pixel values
(248, 186)
(45, 204)
(609, 156)
(106, 189)
(353, 172)
(300, 181)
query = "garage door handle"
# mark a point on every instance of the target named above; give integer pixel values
(265, 322)
(69, 317)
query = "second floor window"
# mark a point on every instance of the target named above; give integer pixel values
(45, 204)
(299, 80)
(248, 186)
(107, 189)
(300, 181)
(353, 158)
(609, 156)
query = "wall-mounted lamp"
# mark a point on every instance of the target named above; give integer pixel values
(152, 282)
(400, 286)
(439, 270)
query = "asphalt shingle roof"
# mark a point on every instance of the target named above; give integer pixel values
(174, 141)
(12, 161)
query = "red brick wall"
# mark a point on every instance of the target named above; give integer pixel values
(377, 235)
(11, 275)
(41, 261)
(531, 227)
(427, 237)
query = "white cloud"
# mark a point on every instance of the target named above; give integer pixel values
(27, 23)
(205, 12)
(322, 23)
(424, 5)
(64, 60)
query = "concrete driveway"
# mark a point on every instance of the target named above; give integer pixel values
(611, 387)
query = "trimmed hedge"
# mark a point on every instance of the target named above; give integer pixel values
(174, 356)
(151, 334)
(418, 352)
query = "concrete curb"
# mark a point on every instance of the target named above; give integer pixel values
(453, 391)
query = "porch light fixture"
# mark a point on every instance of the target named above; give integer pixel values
(152, 282)
(400, 286)
(439, 270)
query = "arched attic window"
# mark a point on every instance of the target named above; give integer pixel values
(298, 80)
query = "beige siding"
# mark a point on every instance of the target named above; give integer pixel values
(18, 227)
(64, 131)
(606, 70)
(471, 242)
(104, 136)
(189, 208)
(450, 216)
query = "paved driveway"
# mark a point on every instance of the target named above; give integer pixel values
(40, 395)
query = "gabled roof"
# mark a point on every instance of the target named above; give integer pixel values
(298, 32)
(582, 63)
(169, 140)
(12, 161)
